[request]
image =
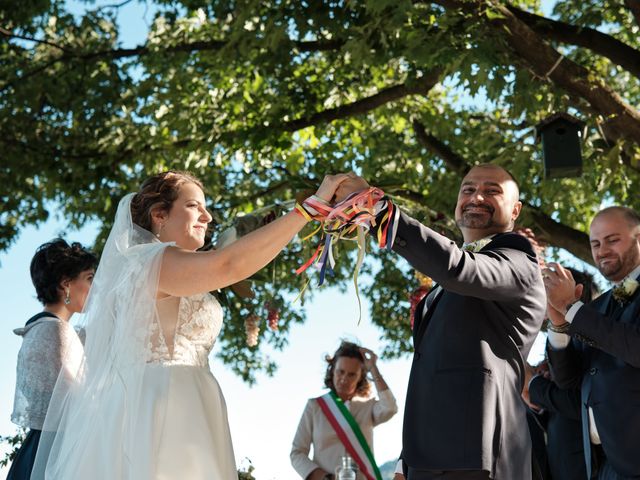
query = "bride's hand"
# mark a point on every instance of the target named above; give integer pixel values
(330, 184)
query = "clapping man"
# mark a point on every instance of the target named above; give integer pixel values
(604, 356)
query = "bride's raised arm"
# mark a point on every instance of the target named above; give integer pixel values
(186, 272)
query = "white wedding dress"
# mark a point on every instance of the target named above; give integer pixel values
(194, 438)
(181, 423)
(143, 405)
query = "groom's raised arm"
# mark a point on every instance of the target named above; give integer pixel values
(505, 268)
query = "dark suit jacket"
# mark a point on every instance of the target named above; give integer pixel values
(463, 408)
(565, 454)
(538, 430)
(605, 359)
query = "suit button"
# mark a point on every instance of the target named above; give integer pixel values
(418, 355)
(593, 371)
(401, 242)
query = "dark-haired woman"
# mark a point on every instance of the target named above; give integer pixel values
(329, 428)
(62, 275)
(146, 405)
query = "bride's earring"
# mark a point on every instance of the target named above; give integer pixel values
(67, 298)
(158, 232)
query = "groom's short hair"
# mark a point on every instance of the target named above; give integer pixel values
(498, 167)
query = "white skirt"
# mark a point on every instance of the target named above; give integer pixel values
(178, 431)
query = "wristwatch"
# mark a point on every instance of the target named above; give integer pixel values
(328, 476)
(564, 328)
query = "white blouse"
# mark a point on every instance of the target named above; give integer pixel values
(314, 429)
(49, 345)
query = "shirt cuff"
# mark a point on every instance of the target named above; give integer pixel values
(571, 313)
(558, 341)
(399, 467)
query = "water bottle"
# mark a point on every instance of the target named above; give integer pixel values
(348, 469)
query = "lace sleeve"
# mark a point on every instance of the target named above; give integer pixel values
(48, 348)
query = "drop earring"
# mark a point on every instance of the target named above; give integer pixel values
(67, 298)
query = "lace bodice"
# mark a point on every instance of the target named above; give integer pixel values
(186, 330)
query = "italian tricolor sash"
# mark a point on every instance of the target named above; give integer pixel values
(349, 434)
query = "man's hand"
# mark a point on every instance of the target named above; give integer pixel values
(529, 373)
(352, 184)
(561, 288)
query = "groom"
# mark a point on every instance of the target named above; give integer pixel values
(464, 417)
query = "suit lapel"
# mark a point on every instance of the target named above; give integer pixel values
(607, 303)
(630, 311)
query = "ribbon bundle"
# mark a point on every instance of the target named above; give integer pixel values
(347, 220)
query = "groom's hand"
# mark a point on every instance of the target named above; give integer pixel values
(330, 184)
(352, 184)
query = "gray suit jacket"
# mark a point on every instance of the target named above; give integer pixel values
(463, 409)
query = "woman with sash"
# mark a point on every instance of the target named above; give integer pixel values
(341, 422)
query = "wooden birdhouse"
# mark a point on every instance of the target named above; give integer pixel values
(561, 135)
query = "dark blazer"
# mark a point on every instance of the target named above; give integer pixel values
(538, 430)
(565, 453)
(605, 361)
(463, 408)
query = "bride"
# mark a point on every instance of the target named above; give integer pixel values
(144, 404)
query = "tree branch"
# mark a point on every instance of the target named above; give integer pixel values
(547, 63)
(618, 52)
(359, 107)
(114, 5)
(560, 235)
(439, 148)
(634, 6)
(142, 50)
(274, 187)
(9, 34)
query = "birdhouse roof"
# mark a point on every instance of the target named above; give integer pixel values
(560, 116)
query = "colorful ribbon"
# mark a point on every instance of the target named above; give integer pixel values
(348, 220)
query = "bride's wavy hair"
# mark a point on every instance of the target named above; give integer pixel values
(350, 350)
(159, 191)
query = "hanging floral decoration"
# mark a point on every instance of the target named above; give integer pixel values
(252, 329)
(415, 297)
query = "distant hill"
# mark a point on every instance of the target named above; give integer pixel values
(387, 469)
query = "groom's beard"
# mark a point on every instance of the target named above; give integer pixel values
(471, 219)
